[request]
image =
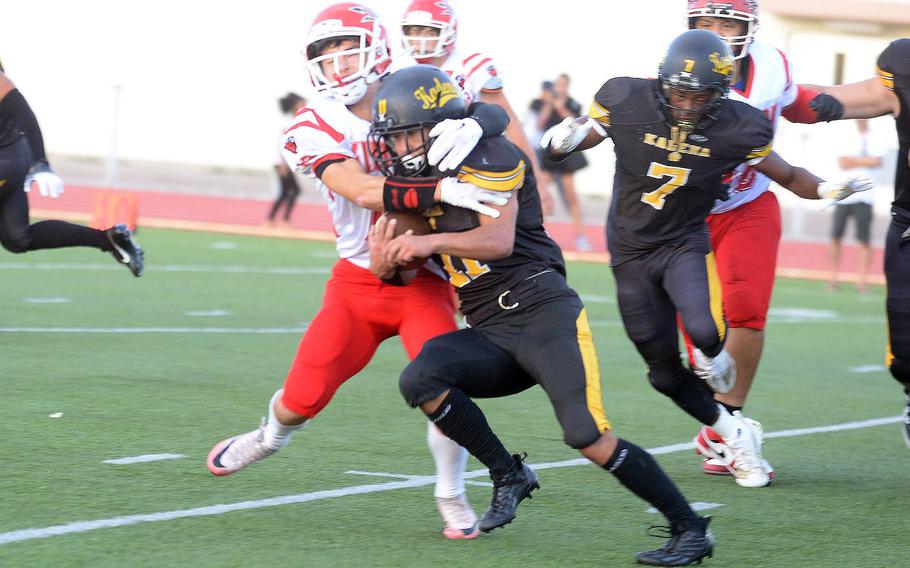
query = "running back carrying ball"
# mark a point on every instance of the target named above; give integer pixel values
(409, 221)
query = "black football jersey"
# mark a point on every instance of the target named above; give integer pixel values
(497, 164)
(894, 73)
(667, 180)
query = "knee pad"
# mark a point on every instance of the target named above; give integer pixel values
(745, 308)
(705, 335)
(419, 382)
(17, 244)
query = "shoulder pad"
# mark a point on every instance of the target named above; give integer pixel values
(495, 164)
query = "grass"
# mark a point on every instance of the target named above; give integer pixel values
(839, 500)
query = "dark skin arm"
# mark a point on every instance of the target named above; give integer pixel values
(798, 180)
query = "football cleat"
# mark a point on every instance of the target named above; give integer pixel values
(688, 542)
(508, 491)
(125, 249)
(459, 517)
(905, 425)
(719, 372)
(233, 454)
(719, 466)
(741, 454)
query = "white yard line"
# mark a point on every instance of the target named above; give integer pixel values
(229, 269)
(144, 458)
(409, 483)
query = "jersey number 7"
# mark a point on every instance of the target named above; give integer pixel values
(678, 178)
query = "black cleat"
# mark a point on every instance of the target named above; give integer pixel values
(689, 542)
(125, 249)
(905, 423)
(508, 491)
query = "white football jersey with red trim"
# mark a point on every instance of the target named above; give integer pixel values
(323, 131)
(474, 72)
(769, 87)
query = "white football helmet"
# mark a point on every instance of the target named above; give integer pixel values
(347, 21)
(430, 14)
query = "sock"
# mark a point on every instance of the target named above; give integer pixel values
(277, 435)
(451, 459)
(726, 424)
(463, 421)
(637, 470)
(730, 408)
(59, 234)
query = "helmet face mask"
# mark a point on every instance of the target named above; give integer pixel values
(358, 27)
(740, 10)
(400, 151)
(694, 77)
(420, 20)
(408, 104)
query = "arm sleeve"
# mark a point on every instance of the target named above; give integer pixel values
(14, 106)
(492, 119)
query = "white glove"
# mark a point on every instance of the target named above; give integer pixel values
(838, 191)
(49, 184)
(454, 140)
(568, 134)
(467, 195)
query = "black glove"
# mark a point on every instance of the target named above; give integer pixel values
(826, 107)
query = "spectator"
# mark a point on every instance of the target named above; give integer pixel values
(551, 108)
(860, 156)
(290, 104)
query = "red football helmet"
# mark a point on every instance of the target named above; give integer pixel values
(742, 10)
(347, 20)
(430, 14)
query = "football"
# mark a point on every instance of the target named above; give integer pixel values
(410, 221)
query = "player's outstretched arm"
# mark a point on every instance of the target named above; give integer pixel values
(865, 99)
(572, 135)
(493, 239)
(806, 184)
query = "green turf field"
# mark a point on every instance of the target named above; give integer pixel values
(167, 382)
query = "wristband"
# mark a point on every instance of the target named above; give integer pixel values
(408, 194)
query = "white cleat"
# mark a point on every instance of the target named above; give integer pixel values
(460, 519)
(744, 453)
(233, 454)
(714, 444)
(719, 372)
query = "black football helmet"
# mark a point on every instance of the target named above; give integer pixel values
(415, 98)
(697, 60)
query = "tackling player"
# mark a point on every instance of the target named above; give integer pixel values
(527, 327)
(23, 164)
(429, 32)
(677, 139)
(749, 219)
(347, 55)
(889, 93)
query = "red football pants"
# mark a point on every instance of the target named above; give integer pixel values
(745, 242)
(358, 313)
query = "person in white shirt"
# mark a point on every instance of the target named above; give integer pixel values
(429, 32)
(859, 159)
